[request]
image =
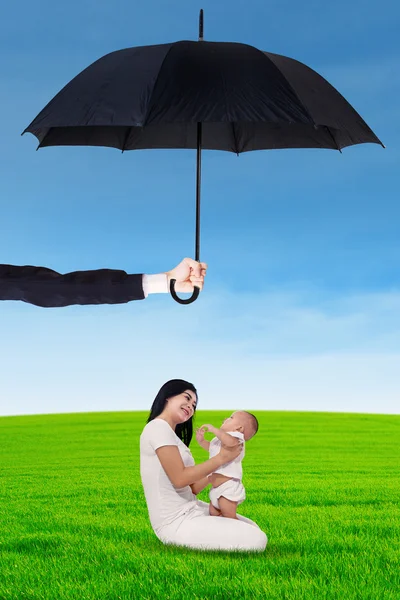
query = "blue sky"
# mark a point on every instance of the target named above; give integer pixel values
(301, 308)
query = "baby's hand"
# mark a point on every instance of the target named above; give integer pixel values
(208, 427)
(200, 435)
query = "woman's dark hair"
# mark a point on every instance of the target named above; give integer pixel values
(174, 387)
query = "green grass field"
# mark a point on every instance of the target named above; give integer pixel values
(323, 486)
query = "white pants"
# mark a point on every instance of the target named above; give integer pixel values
(232, 489)
(198, 529)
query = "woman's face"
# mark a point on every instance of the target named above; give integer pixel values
(182, 406)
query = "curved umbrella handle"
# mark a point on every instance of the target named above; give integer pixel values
(192, 298)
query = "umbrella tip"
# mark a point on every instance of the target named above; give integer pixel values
(201, 25)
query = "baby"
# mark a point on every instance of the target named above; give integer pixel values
(227, 489)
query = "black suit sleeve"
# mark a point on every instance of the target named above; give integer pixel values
(47, 288)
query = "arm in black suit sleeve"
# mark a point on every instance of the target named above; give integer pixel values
(47, 288)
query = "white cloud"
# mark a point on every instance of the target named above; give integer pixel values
(293, 350)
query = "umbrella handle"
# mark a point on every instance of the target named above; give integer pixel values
(192, 298)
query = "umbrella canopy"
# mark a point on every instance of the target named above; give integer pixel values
(154, 96)
(210, 95)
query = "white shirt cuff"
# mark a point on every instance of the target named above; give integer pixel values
(155, 284)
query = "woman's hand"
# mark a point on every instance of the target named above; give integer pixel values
(200, 435)
(228, 454)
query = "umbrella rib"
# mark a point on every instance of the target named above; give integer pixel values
(234, 138)
(332, 136)
(301, 103)
(44, 137)
(126, 138)
(149, 104)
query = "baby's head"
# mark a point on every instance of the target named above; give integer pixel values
(241, 421)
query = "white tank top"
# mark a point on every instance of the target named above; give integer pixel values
(233, 468)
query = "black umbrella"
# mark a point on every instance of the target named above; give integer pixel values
(212, 95)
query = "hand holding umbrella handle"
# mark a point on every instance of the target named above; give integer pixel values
(192, 298)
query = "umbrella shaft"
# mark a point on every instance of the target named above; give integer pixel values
(198, 174)
(198, 189)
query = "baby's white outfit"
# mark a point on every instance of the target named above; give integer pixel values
(232, 489)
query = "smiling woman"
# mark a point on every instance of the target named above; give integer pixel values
(171, 479)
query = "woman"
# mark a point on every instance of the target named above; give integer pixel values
(47, 288)
(171, 479)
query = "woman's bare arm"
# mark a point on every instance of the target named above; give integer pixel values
(199, 486)
(205, 445)
(179, 475)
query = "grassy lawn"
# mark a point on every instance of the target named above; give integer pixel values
(323, 486)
